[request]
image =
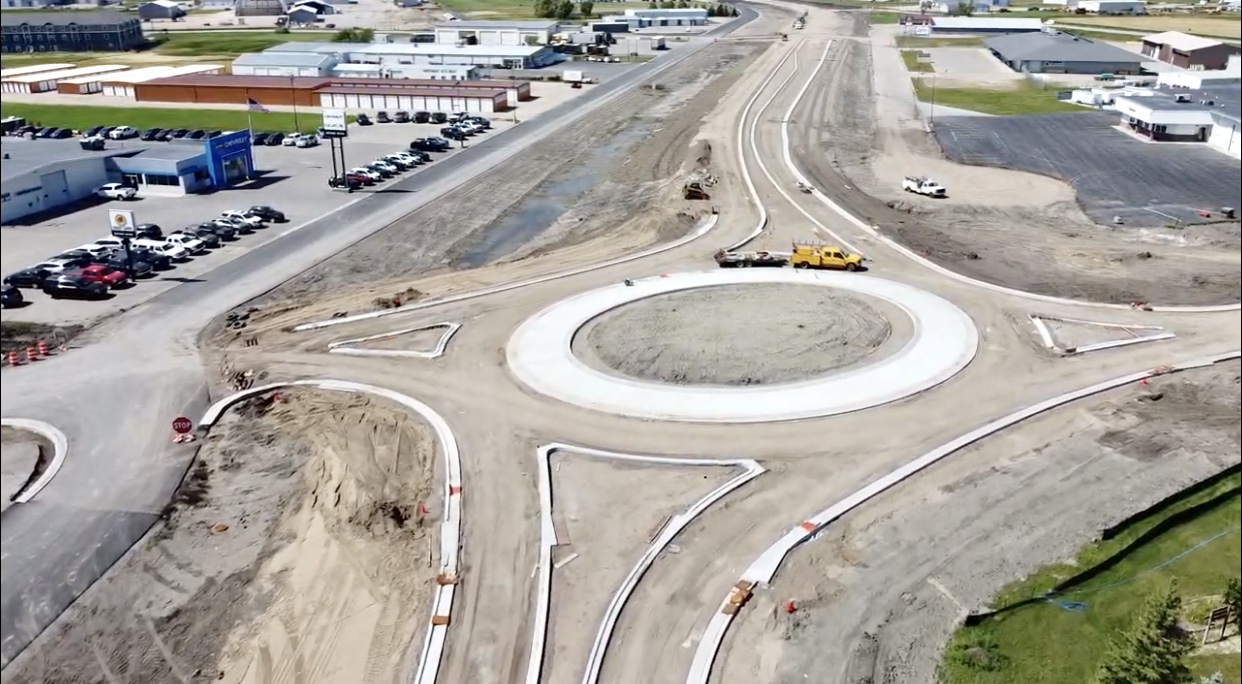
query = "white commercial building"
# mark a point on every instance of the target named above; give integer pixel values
(496, 32)
(1194, 80)
(122, 85)
(695, 16)
(1183, 118)
(306, 64)
(45, 81)
(428, 54)
(432, 73)
(1113, 6)
(41, 175)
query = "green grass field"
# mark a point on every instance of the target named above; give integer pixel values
(82, 118)
(929, 42)
(1043, 643)
(228, 43)
(525, 9)
(1021, 99)
(913, 64)
(883, 17)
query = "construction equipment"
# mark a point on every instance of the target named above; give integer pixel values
(694, 191)
(750, 259)
(806, 255)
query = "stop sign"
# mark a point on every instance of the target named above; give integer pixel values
(182, 425)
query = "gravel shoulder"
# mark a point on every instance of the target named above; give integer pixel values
(292, 553)
(881, 591)
(1006, 227)
(740, 335)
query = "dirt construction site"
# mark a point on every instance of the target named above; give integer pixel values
(393, 500)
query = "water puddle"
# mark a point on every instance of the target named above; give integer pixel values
(540, 210)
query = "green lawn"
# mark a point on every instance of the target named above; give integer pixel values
(914, 64)
(1021, 99)
(1043, 643)
(231, 43)
(883, 17)
(525, 9)
(929, 42)
(81, 118)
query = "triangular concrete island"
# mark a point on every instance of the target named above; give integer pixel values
(422, 342)
(1070, 336)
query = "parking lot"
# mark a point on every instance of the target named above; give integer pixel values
(1146, 184)
(290, 179)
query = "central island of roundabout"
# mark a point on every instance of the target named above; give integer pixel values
(939, 341)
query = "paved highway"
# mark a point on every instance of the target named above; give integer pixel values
(115, 398)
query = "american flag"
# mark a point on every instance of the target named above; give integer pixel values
(254, 106)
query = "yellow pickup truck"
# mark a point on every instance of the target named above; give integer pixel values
(824, 256)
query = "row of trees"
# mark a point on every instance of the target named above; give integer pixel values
(564, 9)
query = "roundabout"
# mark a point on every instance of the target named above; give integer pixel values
(942, 341)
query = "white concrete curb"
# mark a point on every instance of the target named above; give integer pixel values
(342, 346)
(548, 539)
(60, 449)
(450, 526)
(1045, 335)
(764, 567)
(874, 232)
(943, 342)
(702, 229)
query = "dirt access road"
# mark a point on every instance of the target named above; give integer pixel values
(859, 132)
(296, 552)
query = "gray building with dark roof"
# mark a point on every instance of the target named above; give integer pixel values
(1061, 53)
(69, 32)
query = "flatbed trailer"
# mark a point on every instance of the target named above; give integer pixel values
(751, 259)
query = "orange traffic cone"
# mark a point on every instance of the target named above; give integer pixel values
(43, 351)
(13, 360)
(32, 354)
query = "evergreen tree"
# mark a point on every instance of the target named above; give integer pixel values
(564, 9)
(733, 12)
(586, 8)
(1154, 649)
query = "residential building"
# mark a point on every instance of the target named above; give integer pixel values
(69, 32)
(513, 33)
(1113, 6)
(165, 10)
(1061, 53)
(1189, 52)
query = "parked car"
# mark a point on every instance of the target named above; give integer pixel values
(213, 134)
(77, 258)
(56, 266)
(196, 135)
(221, 231)
(27, 277)
(191, 244)
(165, 135)
(73, 287)
(394, 160)
(11, 297)
(137, 269)
(274, 139)
(439, 118)
(209, 239)
(116, 191)
(91, 132)
(123, 133)
(382, 117)
(375, 176)
(308, 140)
(291, 139)
(180, 132)
(98, 273)
(363, 120)
(172, 251)
(266, 213)
(360, 179)
(346, 182)
(243, 217)
(238, 227)
(95, 249)
(421, 156)
(150, 231)
(258, 139)
(401, 117)
(62, 134)
(385, 169)
(422, 117)
(481, 121)
(158, 261)
(150, 134)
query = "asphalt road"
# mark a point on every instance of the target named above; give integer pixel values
(115, 398)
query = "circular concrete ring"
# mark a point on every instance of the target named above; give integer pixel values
(944, 342)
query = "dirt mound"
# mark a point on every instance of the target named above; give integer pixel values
(736, 335)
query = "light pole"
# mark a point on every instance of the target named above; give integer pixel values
(931, 116)
(293, 97)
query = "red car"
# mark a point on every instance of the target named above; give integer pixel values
(360, 179)
(99, 273)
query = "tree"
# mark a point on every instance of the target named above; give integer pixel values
(586, 8)
(733, 12)
(1154, 649)
(564, 9)
(354, 35)
(545, 8)
(962, 10)
(1233, 597)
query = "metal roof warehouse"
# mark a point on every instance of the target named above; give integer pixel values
(45, 81)
(1061, 53)
(501, 56)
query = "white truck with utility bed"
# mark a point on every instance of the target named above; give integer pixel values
(923, 186)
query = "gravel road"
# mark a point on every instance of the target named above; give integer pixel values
(738, 335)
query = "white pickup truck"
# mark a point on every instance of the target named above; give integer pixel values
(923, 186)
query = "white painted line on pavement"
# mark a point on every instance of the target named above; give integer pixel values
(450, 527)
(60, 449)
(750, 469)
(346, 348)
(540, 356)
(763, 568)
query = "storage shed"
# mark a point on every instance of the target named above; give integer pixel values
(156, 10)
(122, 85)
(33, 69)
(395, 95)
(47, 81)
